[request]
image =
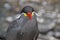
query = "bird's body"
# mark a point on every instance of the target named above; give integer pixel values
(23, 29)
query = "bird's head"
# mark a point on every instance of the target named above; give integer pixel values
(28, 11)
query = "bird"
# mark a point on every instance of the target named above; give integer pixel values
(25, 27)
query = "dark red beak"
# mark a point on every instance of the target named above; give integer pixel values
(29, 14)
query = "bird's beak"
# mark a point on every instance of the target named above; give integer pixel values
(29, 14)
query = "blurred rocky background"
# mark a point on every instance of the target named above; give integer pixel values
(48, 16)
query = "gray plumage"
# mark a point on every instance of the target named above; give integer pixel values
(23, 29)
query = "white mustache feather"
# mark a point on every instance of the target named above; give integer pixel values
(15, 17)
(36, 14)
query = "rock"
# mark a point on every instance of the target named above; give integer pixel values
(42, 37)
(57, 34)
(50, 33)
(58, 18)
(46, 26)
(46, 37)
(57, 31)
(7, 6)
(52, 38)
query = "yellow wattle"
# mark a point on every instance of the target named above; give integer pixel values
(25, 14)
(32, 14)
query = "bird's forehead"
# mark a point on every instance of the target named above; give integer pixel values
(27, 9)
